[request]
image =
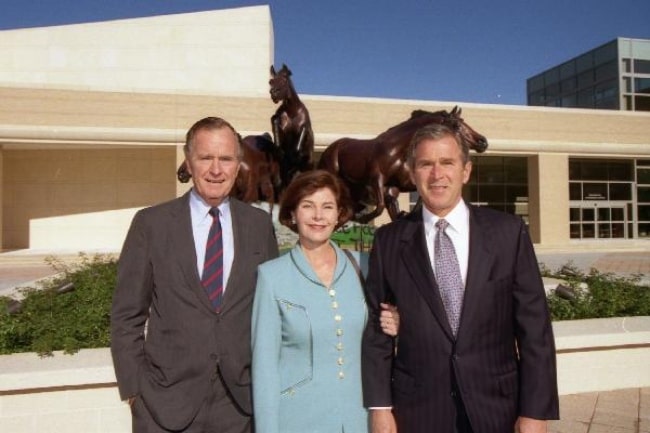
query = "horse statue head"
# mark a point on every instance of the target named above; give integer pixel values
(281, 87)
(466, 135)
(292, 132)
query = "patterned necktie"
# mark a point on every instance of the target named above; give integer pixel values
(212, 277)
(448, 276)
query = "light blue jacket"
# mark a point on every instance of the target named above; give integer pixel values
(306, 342)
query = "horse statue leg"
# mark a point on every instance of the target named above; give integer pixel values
(392, 203)
(378, 191)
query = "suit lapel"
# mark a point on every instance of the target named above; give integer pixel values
(182, 244)
(480, 260)
(415, 258)
(240, 243)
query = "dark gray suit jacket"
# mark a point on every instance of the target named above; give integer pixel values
(503, 357)
(186, 341)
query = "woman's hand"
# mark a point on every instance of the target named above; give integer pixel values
(389, 319)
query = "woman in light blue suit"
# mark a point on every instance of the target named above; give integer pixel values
(308, 317)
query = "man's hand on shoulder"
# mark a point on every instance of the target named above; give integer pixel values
(382, 421)
(530, 425)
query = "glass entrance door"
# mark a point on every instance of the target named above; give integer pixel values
(598, 220)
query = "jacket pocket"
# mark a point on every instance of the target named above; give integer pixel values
(296, 354)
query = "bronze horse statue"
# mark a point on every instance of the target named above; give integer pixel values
(376, 170)
(291, 125)
(259, 172)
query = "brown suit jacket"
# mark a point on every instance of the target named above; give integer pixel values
(186, 341)
(503, 357)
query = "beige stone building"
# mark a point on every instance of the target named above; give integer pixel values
(93, 117)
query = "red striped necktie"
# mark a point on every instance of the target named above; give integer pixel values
(212, 277)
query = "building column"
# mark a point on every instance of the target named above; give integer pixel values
(548, 198)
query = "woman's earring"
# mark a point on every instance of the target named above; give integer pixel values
(293, 220)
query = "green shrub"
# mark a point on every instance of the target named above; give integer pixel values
(51, 319)
(597, 295)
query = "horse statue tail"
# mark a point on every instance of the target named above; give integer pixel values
(329, 160)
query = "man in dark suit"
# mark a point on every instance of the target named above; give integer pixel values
(180, 323)
(476, 350)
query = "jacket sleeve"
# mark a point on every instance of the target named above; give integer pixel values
(538, 394)
(266, 342)
(130, 308)
(377, 348)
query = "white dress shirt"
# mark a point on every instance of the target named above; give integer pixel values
(458, 232)
(201, 223)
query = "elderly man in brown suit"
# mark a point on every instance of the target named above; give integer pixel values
(182, 306)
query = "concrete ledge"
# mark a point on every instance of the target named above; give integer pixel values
(602, 354)
(73, 393)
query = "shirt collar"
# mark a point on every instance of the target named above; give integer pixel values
(200, 208)
(458, 218)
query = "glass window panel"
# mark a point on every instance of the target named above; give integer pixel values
(496, 206)
(643, 212)
(641, 103)
(574, 169)
(643, 163)
(620, 191)
(642, 66)
(618, 230)
(491, 170)
(604, 231)
(644, 230)
(587, 214)
(492, 193)
(627, 84)
(627, 65)
(607, 71)
(471, 193)
(516, 193)
(588, 231)
(595, 191)
(627, 102)
(642, 175)
(584, 62)
(568, 85)
(621, 170)
(593, 170)
(606, 53)
(574, 231)
(535, 83)
(574, 214)
(610, 103)
(586, 79)
(568, 69)
(604, 214)
(642, 85)
(552, 91)
(516, 169)
(575, 191)
(551, 76)
(586, 98)
(570, 100)
(618, 214)
(643, 194)
(536, 98)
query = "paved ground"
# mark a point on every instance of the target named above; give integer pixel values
(620, 411)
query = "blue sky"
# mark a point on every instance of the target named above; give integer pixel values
(465, 51)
